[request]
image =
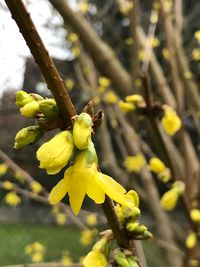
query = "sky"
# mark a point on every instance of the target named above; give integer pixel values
(13, 49)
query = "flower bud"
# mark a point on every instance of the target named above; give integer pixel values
(126, 107)
(132, 226)
(156, 165)
(171, 122)
(169, 199)
(140, 229)
(135, 99)
(49, 108)
(133, 198)
(55, 154)
(132, 261)
(82, 130)
(27, 136)
(195, 215)
(191, 240)
(147, 235)
(121, 259)
(30, 109)
(22, 98)
(131, 212)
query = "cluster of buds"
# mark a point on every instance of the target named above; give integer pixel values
(129, 215)
(124, 258)
(33, 106)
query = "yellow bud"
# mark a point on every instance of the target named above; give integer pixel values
(166, 53)
(171, 122)
(156, 165)
(197, 35)
(187, 75)
(12, 199)
(126, 107)
(131, 226)
(69, 84)
(49, 108)
(84, 7)
(104, 82)
(169, 200)
(134, 99)
(191, 240)
(22, 98)
(30, 110)
(133, 198)
(147, 235)
(82, 130)
(8, 185)
(195, 215)
(72, 37)
(91, 219)
(36, 187)
(19, 176)
(155, 42)
(165, 176)
(3, 169)
(66, 259)
(110, 97)
(196, 54)
(55, 154)
(95, 258)
(37, 257)
(87, 237)
(27, 136)
(134, 163)
(61, 218)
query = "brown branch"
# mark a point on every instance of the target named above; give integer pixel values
(55, 84)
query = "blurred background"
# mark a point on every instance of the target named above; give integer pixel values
(125, 31)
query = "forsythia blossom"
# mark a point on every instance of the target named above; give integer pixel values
(171, 122)
(83, 178)
(55, 154)
(134, 163)
(12, 199)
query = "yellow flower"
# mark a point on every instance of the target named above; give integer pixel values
(95, 259)
(66, 259)
(166, 53)
(156, 165)
(168, 4)
(61, 218)
(19, 176)
(132, 198)
(134, 163)
(3, 169)
(169, 200)
(84, 7)
(8, 185)
(36, 187)
(35, 247)
(72, 37)
(155, 42)
(55, 154)
(191, 240)
(154, 16)
(196, 54)
(12, 199)
(187, 75)
(110, 97)
(83, 178)
(134, 99)
(104, 82)
(82, 130)
(69, 84)
(195, 215)
(37, 257)
(170, 121)
(87, 236)
(125, 6)
(30, 109)
(91, 219)
(126, 107)
(197, 35)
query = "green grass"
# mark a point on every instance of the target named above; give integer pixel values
(14, 237)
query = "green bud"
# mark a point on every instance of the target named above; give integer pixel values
(27, 136)
(30, 109)
(82, 130)
(147, 235)
(37, 97)
(49, 108)
(132, 261)
(22, 98)
(140, 229)
(131, 212)
(121, 259)
(132, 226)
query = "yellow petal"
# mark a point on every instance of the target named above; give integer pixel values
(114, 190)
(77, 191)
(95, 192)
(59, 191)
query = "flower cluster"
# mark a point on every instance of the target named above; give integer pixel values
(128, 216)
(82, 177)
(36, 251)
